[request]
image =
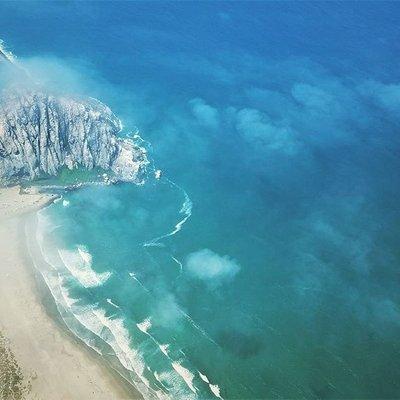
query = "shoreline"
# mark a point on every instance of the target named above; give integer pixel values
(16, 202)
(55, 364)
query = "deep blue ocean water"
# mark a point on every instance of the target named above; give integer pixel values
(266, 258)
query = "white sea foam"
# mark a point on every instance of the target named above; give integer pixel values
(187, 316)
(64, 310)
(89, 322)
(164, 348)
(7, 53)
(79, 264)
(161, 395)
(60, 293)
(94, 320)
(10, 57)
(133, 276)
(86, 256)
(182, 352)
(153, 244)
(145, 325)
(175, 385)
(44, 226)
(109, 301)
(113, 332)
(186, 375)
(216, 390)
(186, 210)
(57, 200)
(65, 203)
(198, 327)
(178, 262)
(203, 377)
(69, 301)
(160, 380)
(138, 139)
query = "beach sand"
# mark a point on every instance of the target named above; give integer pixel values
(54, 364)
(15, 201)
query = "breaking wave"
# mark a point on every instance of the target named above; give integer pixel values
(6, 54)
(103, 325)
(79, 264)
(107, 334)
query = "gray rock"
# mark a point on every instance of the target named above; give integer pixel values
(41, 133)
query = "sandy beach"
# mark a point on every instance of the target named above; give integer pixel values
(47, 362)
(15, 201)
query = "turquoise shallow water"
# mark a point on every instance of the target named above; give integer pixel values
(119, 279)
(266, 258)
(124, 276)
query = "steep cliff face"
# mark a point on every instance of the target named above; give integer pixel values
(41, 133)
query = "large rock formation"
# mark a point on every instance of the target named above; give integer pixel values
(41, 133)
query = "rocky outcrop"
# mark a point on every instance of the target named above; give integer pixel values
(42, 133)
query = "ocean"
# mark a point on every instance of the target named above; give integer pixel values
(264, 261)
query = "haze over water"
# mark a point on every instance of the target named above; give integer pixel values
(265, 261)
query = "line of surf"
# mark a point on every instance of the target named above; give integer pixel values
(92, 320)
(6, 54)
(79, 264)
(186, 210)
(186, 374)
(120, 342)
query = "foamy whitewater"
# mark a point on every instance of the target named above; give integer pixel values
(98, 303)
(260, 257)
(79, 264)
